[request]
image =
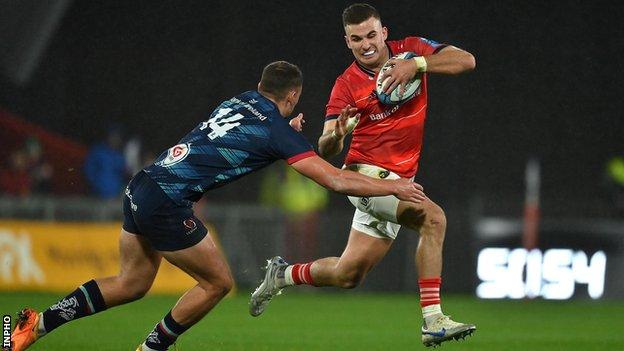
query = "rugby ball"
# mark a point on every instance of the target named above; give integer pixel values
(412, 88)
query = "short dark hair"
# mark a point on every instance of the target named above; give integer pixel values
(279, 77)
(358, 13)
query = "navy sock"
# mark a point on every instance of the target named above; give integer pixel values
(165, 333)
(84, 301)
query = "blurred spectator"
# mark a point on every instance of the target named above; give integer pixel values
(302, 200)
(105, 166)
(27, 172)
(39, 169)
(14, 179)
(132, 153)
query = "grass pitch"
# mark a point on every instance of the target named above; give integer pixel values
(342, 321)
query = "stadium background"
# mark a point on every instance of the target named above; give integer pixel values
(546, 87)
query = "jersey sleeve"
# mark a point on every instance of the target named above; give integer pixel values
(422, 46)
(338, 99)
(288, 144)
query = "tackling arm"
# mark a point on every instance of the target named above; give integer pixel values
(355, 184)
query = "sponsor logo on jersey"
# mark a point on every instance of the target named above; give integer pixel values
(190, 225)
(176, 154)
(249, 108)
(133, 206)
(382, 115)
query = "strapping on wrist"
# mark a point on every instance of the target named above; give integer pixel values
(421, 64)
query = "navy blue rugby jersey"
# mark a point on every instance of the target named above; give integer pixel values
(242, 135)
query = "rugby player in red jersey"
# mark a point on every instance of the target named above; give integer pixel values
(386, 144)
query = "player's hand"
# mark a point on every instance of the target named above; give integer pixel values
(407, 190)
(346, 122)
(400, 74)
(297, 122)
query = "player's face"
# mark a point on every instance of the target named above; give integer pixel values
(367, 41)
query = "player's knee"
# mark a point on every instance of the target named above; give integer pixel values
(226, 285)
(220, 286)
(434, 223)
(430, 220)
(135, 288)
(435, 219)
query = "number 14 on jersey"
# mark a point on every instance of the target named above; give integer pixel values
(221, 123)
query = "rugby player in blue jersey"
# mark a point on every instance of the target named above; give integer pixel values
(242, 135)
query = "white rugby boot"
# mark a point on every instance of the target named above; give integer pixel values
(444, 329)
(269, 287)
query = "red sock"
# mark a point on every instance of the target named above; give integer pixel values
(429, 291)
(301, 273)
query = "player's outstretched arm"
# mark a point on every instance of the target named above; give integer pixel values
(449, 60)
(334, 131)
(355, 184)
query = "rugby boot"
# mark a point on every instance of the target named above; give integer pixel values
(25, 332)
(269, 286)
(444, 329)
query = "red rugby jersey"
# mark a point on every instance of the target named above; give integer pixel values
(386, 136)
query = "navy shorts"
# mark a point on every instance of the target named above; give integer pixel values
(149, 212)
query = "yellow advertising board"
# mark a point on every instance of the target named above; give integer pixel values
(53, 256)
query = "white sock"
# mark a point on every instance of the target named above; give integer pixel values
(41, 331)
(288, 280)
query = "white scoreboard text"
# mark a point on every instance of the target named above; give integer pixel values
(553, 274)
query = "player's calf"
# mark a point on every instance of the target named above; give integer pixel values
(350, 280)
(350, 275)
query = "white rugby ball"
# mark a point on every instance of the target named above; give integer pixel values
(412, 88)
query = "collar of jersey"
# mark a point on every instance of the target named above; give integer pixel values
(370, 72)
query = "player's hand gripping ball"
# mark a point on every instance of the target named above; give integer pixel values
(412, 87)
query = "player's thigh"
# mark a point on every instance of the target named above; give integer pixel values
(138, 259)
(415, 215)
(363, 251)
(202, 261)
